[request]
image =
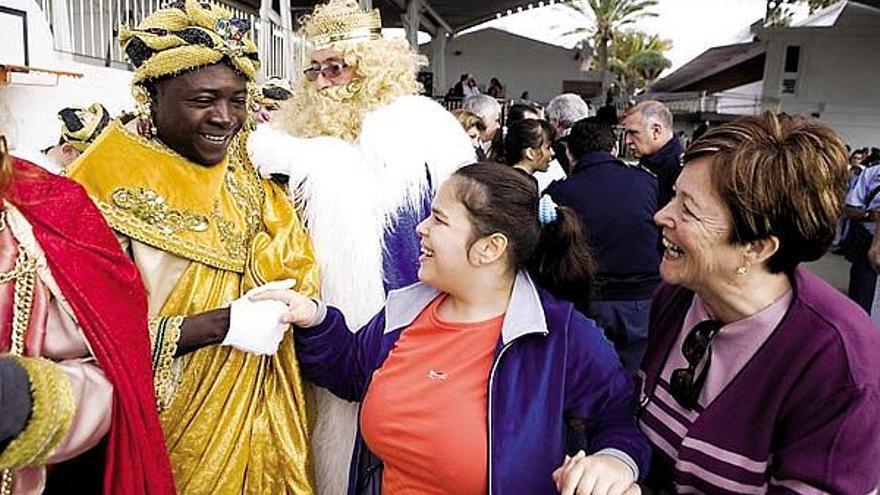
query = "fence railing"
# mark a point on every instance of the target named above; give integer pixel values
(90, 29)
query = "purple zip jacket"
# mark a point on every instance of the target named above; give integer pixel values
(551, 365)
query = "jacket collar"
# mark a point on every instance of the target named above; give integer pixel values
(595, 158)
(671, 150)
(525, 313)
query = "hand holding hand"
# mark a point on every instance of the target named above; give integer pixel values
(598, 474)
(300, 310)
(257, 326)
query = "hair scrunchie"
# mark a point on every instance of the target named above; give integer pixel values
(547, 210)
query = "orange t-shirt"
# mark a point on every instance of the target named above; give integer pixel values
(424, 414)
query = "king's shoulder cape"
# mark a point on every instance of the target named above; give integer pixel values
(151, 194)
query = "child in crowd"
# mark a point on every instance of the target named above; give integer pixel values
(468, 380)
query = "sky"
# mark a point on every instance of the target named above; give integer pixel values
(693, 25)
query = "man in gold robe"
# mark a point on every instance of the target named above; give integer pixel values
(176, 185)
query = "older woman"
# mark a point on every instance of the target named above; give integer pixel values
(759, 377)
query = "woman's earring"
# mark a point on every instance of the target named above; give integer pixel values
(744, 268)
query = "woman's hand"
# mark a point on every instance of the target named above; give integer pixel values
(301, 310)
(598, 474)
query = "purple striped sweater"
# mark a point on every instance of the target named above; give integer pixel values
(800, 417)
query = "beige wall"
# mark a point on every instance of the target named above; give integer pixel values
(521, 64)
(838, 77)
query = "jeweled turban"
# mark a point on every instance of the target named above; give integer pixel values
(188, 35)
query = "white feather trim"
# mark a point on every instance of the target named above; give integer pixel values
(401, 138)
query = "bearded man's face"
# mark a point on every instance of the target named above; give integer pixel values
(327, 68)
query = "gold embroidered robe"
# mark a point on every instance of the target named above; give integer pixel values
(201, 237)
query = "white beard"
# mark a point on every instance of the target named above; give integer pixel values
(348, 192)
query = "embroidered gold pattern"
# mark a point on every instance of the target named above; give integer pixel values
(235, 242)
(248, 198)
(150, 207)
(164, 335)
(137, 229)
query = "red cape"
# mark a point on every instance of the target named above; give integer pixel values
(105, 291)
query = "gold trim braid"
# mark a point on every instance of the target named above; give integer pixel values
(24, 274)
(51, 415)
(151, 194)
(164, 336)
(53, 404)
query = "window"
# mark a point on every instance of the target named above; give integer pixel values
(13, 25)
(792, 58)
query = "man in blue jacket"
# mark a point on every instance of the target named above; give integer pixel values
(650, 137)
(616, 204)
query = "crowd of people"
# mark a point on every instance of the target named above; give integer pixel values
(275, 288)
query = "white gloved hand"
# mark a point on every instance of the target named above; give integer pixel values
(256, 326)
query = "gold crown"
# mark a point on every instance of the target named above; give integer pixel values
(341, 20)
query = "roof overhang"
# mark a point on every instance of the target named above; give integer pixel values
(452, 15)
(729, 65)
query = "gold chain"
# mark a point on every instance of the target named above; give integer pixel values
(6, 482)
(24, 273)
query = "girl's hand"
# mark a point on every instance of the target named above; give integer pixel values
(301, 310)
(598, 474)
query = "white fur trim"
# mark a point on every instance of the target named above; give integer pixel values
(401, 138)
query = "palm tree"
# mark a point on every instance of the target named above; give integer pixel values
(648, 64)
(777, 14)
(635, 57)
(607, 18)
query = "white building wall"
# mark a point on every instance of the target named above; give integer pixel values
(838, 77)
(742, 100)
(521, 64)
(29, 106)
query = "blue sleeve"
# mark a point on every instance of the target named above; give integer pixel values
(859, 193)
(333, 357)
(601, 392)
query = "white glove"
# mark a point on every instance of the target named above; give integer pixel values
(256, 326)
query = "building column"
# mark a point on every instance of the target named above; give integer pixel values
(291, 49)
(438, 60)
(264, 40)
(61, 31)
(411, 22)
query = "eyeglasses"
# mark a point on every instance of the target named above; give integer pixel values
(685, 385)
(331, 70)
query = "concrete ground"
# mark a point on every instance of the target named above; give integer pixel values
(833, 268)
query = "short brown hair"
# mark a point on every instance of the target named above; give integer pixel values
(779, 176)
(469, 119)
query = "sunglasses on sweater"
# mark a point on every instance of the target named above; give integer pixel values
(685, 384)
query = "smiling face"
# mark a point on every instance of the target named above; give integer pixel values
(198, 113)
(696, 228)
(543, 155)
(446, 240)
